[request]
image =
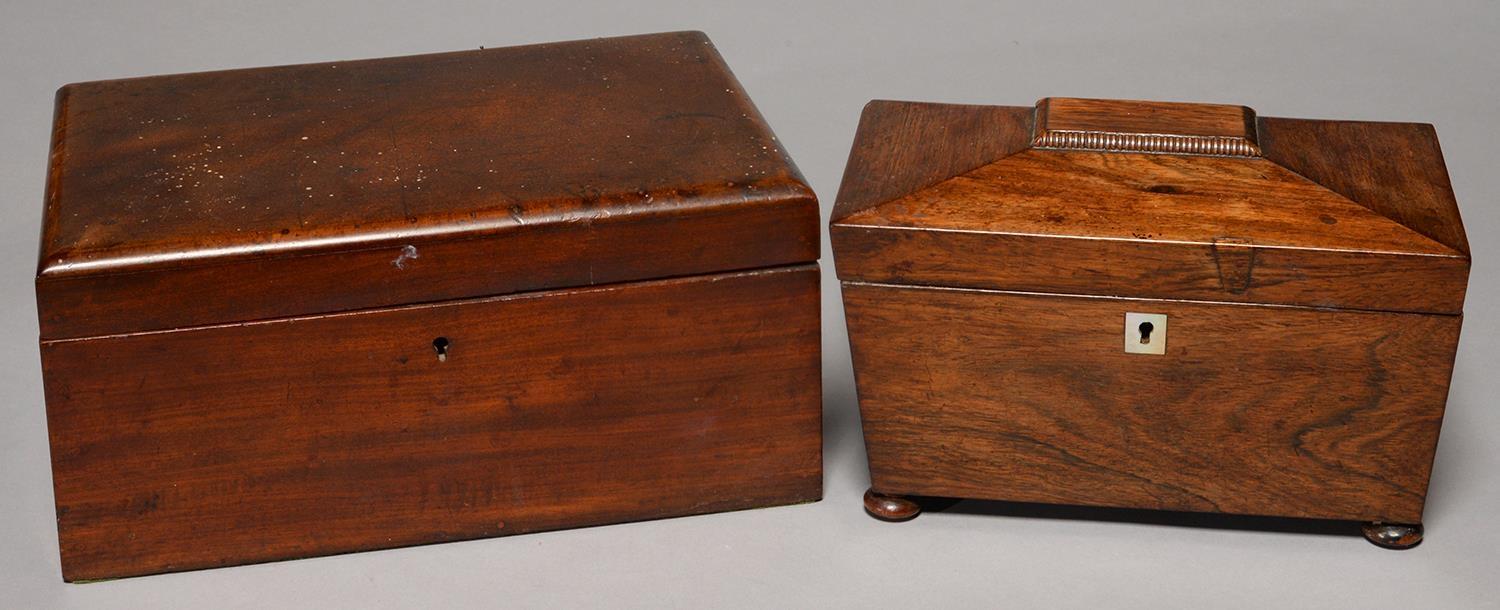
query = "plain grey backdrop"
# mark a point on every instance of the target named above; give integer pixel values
(810, 67)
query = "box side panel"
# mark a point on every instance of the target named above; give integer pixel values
(291, 438)
(1252, 410)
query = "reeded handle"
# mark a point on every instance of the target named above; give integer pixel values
(1146, 127)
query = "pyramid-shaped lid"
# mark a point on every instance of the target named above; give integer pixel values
(1151, 199)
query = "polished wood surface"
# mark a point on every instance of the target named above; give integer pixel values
(313, 435)
(1221, 228)
(325, 308)
(1145, 117)
(1395, 169)
(544, 166)
(904, 146)
(617, 249)
(1253, 410)
(1312, 275)
(1214, 228)
(1169, 198)
(891, 508)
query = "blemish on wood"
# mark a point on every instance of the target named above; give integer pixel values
(407, 253)
(1234, 259)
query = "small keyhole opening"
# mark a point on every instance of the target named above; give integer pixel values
(440, 345)
(1146, 328)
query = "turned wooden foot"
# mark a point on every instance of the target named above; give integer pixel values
(1391, 535)
(890, 508)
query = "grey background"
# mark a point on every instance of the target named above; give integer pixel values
(810, 67)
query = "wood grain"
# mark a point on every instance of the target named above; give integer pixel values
(900, 147)
(1234, 229)
(1164, 198)
(1395, 169)
(252, 442)
(162, 187)
(609, 250)
(1152, 226)
(1256, 410)
(1313, 274)
(1226, 270)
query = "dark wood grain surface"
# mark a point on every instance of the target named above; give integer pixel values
(1395, 169)
(313, 435)
(904, 146)
(1167, 198)
(1253, 410)
(1145, 117)
(1313, 275)
(1226, 270)
(1217, 228)
(615, 249)
(1129, 223)
(160, 187)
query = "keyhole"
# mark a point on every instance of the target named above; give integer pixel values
(440, 345)
(1146, 328)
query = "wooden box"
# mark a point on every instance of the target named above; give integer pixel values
(324, 308)
(1150, 305)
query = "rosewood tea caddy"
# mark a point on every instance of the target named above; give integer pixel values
(1150, 305)
(324, 308)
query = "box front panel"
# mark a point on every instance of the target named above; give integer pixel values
(1260, 410)
(290, 438)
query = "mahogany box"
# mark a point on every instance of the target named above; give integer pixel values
(323, 308)
(1150, 306)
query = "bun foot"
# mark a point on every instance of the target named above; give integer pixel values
(890, 508)
(1386, 535)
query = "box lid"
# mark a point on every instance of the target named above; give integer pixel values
(1152, 200)
(218, 197)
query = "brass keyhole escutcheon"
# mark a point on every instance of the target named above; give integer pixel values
(440, 345)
